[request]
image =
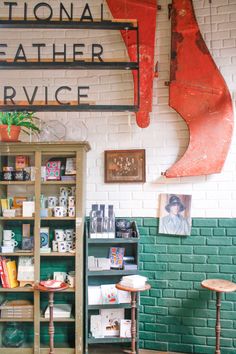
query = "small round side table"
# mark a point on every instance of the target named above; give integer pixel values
(219, 286)
(134, 293)
(51, 292)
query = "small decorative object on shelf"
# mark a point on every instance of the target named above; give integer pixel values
(102, 224)
(13, 335)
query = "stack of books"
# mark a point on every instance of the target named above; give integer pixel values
(133, 281)
(60, 311)
(129, 263)
(17, 309)
(8, 273)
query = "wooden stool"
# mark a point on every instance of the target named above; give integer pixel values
(51, 292)
(219, 286)
(134, 293)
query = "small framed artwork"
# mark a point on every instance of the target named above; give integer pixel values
(125, 166)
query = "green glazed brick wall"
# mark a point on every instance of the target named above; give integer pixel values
(176, 314)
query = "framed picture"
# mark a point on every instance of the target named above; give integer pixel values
(175, 214)
(124, 166)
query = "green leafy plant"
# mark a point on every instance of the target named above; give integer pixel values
(24, 119)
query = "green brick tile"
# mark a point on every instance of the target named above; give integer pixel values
(206, 231)
(228, 269)
(193, 294)
(193, 339)
(205, 222)
(155, 266)
(224, 323)
(169, 302)
(175, 311)
(155, 293)
(145, 300)
(168, 258)
(180, 329)
(194, 259)
(195, 231)
(157, 310)
(193, 240)
(192, 276)
(181, 267)
(169, 337)
(183, 348)
(206, 250)
(227, 223)
(168, 293)
(159, 284)
(147, 318)
(180, 249)
(220, 259)
(168, 275)
(204, 330)
(150, 222)
(180, 284)
(147, 257)
(220, 241)
(147, 335)
(155, 249)
(157, 345)
(231, 232)
(223, 342)
(230, 251)
(156, 328)
(204, 349)
(153, 231)
(148, 240)
(181, 294)
(198, 323)
(169, 240)
(144, 231)
(206, 268)
(219, 232)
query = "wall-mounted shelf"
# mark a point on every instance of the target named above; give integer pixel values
(69, 108)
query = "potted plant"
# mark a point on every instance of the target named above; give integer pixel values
(11, 124)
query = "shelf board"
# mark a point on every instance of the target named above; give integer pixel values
(16, 218)
(69, 65)
(17, 290)
(72, 319)
(108, 306)
(95, 25)
(113, 240)
(22, 350)
(59, 218)
(57, 254)
(111, 272)
(7, 183)
(16, 254)
(56, 107)
(109, 340)
(16, 319)
(58, 183)
(64, 350)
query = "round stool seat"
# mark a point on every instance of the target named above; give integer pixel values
(219, 285)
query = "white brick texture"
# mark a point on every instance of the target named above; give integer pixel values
(165, 140)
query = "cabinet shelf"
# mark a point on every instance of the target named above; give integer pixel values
(113, 240)
(111, 272)
(57, 254)
(16, 319)
(15, 183)
(50, 183)
(17, 254)
(17, 290)
(16, 218)
(71, 319)
(108, 306)
(95, 25)
(58, 218)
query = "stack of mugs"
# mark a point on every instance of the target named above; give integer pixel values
(61, 206)
(9, 242)
(64, 240)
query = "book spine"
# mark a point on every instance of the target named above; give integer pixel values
(2, 275)
(4, 266)
(12, 275)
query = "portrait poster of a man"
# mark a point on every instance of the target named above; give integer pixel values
(175, 218)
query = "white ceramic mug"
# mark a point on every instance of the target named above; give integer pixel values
(69, 246)
(70, 234)
(8, 235)
(73, 190)
(59, 235)
(63, 201)
(69, 191)
(54, 246)
(71, 201)
(10, 243)
(62, 246)
(64, 192)
(52, 201)
(60, 211)
(71, 212)
(70, 279)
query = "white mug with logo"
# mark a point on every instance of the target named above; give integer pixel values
(63, 201)
(64, 192)
(71, 212)
(8, 235)
(54, 246)
(62, 247)
(69, 246)
(71, 201)
(52, 201)
(70, 234)
(60, 211)
(59, 235)
(11, 243)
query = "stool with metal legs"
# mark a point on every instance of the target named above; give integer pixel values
(134, 293)
(219, 286)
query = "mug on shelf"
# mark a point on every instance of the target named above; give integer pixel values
(71, 201)
(59, 235)
(60, 211)
(70, 234)
(63, 201)
(71, 212)
(64, 192)
(10, 243)
(62, 246)
(52, 201)
(8, 235)
(55, 246)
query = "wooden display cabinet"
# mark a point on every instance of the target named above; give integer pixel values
(68, 331)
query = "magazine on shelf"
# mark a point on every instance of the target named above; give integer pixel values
(111, 321)
(109, 294)
(116, 255)
(94, 295)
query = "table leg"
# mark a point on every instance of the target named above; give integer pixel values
(51, 325)
(218, 328)
(133, 321)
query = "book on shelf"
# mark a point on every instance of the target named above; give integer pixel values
(8, 273)
(17, 309)
(109, 294)
(59, 311)
(125, 328)
(25, 268)
(94, 295)
(96, 326)
(111, 321)
(116, 255)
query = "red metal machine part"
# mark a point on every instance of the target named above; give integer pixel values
(199, 94)
(145, 12)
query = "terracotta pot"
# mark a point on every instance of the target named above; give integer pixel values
(14, 133)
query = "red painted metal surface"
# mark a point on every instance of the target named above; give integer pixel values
(199, 94)
(145, 12)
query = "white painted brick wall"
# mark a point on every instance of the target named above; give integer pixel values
(166, 139)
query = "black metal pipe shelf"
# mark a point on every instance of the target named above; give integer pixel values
(69, 65)
(95, 25)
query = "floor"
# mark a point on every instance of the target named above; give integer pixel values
(97, 351)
